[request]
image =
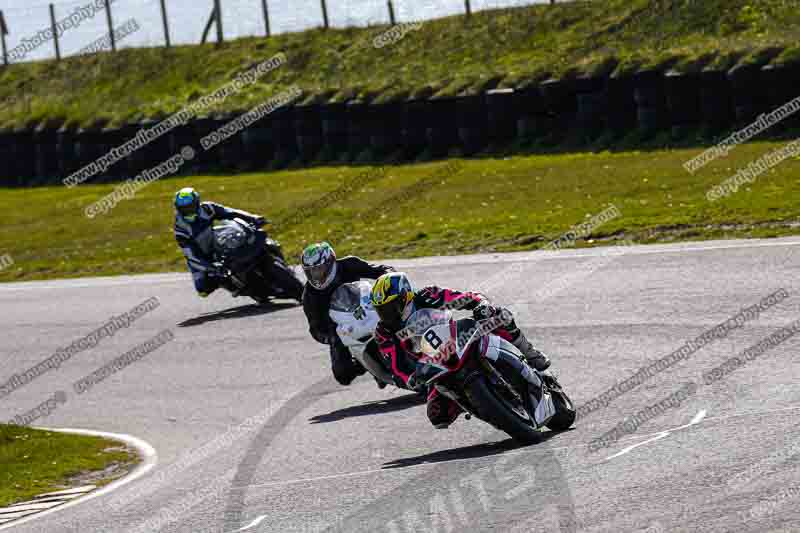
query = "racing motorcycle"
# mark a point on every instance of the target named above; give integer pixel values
(486, 375)
(251, 263)
(355, 318)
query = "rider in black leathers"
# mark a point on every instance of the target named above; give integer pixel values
(325, 274)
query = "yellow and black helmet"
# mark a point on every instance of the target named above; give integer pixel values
(391, 297)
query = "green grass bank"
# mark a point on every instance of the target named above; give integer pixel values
(448, 56)
(453, 207)
(34, 462)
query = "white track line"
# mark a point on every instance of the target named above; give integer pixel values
(425, 262)
(149, 461)
(664, 434)
(528, 450)
(252, 524)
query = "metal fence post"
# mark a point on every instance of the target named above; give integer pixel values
(3, 33)
(324, 14)
(207, 29)
(266, 16)
(54, 29)
(166, 22)
(392, 20)
(220, 33)
(110, 26)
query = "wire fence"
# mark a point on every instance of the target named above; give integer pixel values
(48, 31)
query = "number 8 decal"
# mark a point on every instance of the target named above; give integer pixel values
(433, 339)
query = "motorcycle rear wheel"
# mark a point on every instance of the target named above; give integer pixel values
(494, 409)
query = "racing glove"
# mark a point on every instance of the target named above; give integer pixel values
(217, 270)
(413, 384)
(484, 311)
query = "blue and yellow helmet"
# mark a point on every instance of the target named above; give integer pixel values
(392, 297)
(187, 203)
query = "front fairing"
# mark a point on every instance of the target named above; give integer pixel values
(428, 372)
(352, 311)
(238, 245)
(248, 254)
(443, 345)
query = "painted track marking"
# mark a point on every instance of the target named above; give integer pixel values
(149, 461)
(252, 524)
(662, 435)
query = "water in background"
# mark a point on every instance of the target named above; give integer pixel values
(188, 18)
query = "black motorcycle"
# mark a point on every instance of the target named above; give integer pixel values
(252, 264)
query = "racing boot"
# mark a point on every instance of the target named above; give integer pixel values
(534, 357)
(358, 368)
(442, 411)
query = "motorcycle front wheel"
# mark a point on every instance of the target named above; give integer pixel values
(283, 276)
(494, 408)
(565, 410)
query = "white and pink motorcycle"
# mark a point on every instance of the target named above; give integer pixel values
(487, 375)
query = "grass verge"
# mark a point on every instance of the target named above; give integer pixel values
(433, 208)
(449, 56)
(35, 462)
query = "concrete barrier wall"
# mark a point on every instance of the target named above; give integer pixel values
(648, 101)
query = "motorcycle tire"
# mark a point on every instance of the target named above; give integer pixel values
(275, 251)
(284, 277)
(565, 411)
(494, 410)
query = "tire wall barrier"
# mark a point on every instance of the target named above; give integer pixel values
(592, 106)
(472, 123)
(358, 128)
(334, 127)
(715, 101)
(648, 102)
(386, 127)
(682, 99)
(442, 125)
(501, 116)
(308, 127)
(415, 129)
(651, 108)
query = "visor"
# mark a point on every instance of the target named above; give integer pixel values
(187, 211)
(318, 275)
(391, 314)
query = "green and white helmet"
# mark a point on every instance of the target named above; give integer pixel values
(319, 264)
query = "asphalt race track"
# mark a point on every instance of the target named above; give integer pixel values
(253, 434)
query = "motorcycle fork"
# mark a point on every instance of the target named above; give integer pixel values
(498, 378)
(238, 282)
(462, 377)
(259, 269)
(523, 397)
(484, 368)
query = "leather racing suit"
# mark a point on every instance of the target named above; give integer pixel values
(316, 305)
(196, 241)
(441, 410)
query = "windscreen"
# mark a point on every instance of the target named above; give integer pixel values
(427, 330)
(229, 236)
(346, 298)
